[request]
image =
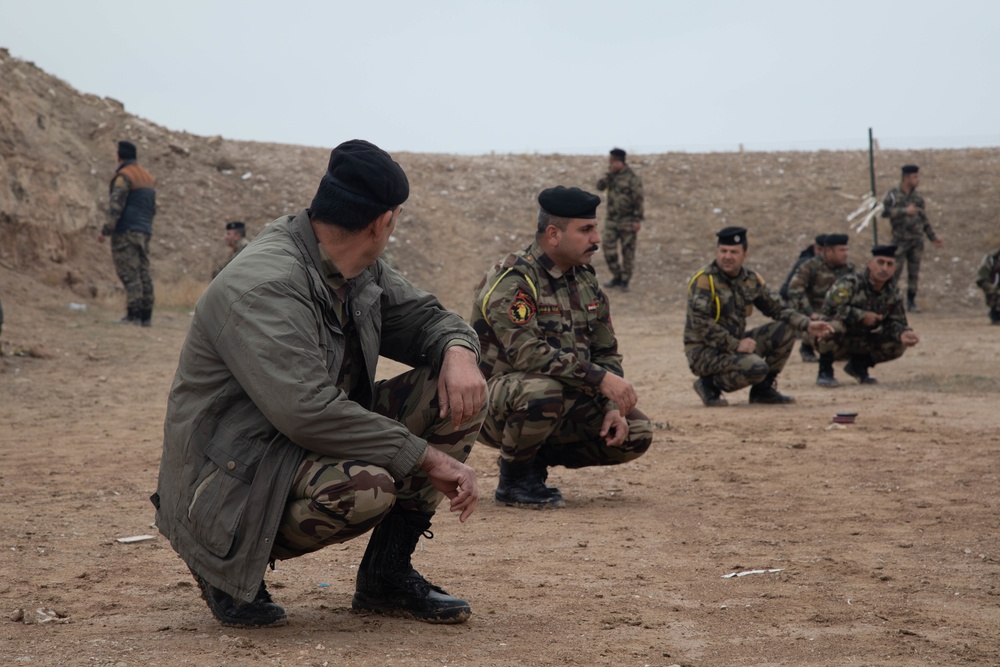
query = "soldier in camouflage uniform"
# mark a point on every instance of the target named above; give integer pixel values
(869, 322)
(805, 347)
(624, 218)
(130, 225)
(557, 393)
(988, 280)
(906, 210)
(278, 440)
(807, 289)
(236, 239)
(720, 351)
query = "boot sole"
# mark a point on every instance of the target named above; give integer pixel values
(362, 604)
(550, 505)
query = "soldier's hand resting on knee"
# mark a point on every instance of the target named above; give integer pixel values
(619, 390)
(454, 479)
(614, 430)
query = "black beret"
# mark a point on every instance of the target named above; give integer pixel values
(884, 251)
(236, 224)
(835, 239)
(618, 154)
(820, 240)
(126, 150)
(910, 169)
(365, 170)
(732, 236)
(565, 202)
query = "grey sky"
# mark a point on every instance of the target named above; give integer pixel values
(573, 76)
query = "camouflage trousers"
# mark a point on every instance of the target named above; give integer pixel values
(616, 233)
(909, 254)
(335, 500)
(130, 253)
(875, 344)
(532, 415)
(733, 370)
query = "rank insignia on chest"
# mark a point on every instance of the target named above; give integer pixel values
(522, 308)
(592, 307)
(548, 309)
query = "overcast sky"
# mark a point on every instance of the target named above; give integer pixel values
(525, 76)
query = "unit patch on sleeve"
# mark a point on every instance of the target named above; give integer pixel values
(522, 308)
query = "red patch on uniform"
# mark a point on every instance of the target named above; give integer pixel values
(592, 307)
(522, 309)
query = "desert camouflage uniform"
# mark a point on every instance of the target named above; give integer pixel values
(129, 224)
(624, 207)
(845, 306)
(988, 279)
(717, 311)
(907, 234)
(547, 343)
(807, 289)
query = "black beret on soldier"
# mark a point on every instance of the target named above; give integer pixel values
(835, 239)
(236, 224)
(884, 251)
(732, 236)
(910, 169)
(365, 170)
(564, 202)
(618, 154)
(126, 150)
(820, 240)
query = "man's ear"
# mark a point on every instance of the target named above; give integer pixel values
(381, 224)
(552, 234)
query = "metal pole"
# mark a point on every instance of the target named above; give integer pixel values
(871, 171)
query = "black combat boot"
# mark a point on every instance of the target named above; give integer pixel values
(858, 367)
(387, 583)
(146, 317)
(825, 377)
(710, 393)
(131, 316)
(623, 285)
(807, 353)
(614, 282)
(765, 392)
(522, 484)
(911, 302)
(260, 613)
(995, 315)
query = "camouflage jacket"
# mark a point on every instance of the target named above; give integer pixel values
(807, 289)
(988, 277)
(718, 307)
(906, 228)
(624, 195)
(532, 317)
(852, 295)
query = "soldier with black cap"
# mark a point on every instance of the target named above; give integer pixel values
(130, 225)
(807, 289)
(236, 240)
(720, 351)
(557, 391)
(869, 322)
(908, 214)
(624, 218)
(279, 441)
(812, 250)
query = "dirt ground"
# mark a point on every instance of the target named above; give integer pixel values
(882, 535)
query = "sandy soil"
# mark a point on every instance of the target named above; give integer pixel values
(883, 534)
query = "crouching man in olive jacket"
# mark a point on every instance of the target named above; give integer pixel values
(278, 441)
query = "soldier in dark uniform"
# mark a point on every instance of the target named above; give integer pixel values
(720, 351)
(869, 322)
(907, 212)
(624, 218)
(130, 226)
(557, 392)
(988, 279)
(805, 347)
(236, 239)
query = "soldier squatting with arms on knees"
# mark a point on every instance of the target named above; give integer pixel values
(906, 210)
(130, 226)
(720, 351)
(279, 442)
(557, 395)
(869, 322)
(988, 279)
(624, 218)
(805, 350)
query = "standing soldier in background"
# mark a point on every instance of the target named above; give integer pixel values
(236, 239)
(624, 218)
(988, 280)
(906, 210)
(130, 225)
(869, 323)
(806, 350)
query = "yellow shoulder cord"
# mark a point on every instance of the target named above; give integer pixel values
(711, 286)
(482, 306)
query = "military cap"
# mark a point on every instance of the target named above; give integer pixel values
(618, 154)
(365, 170)
(910, 169)
(820, 240)
(565, 202)
(126, 150)
(732, 236)
(235, 224)
(835, 239)
(884, 251)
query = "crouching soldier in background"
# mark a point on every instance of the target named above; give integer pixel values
(868, 318)
(988, 280)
